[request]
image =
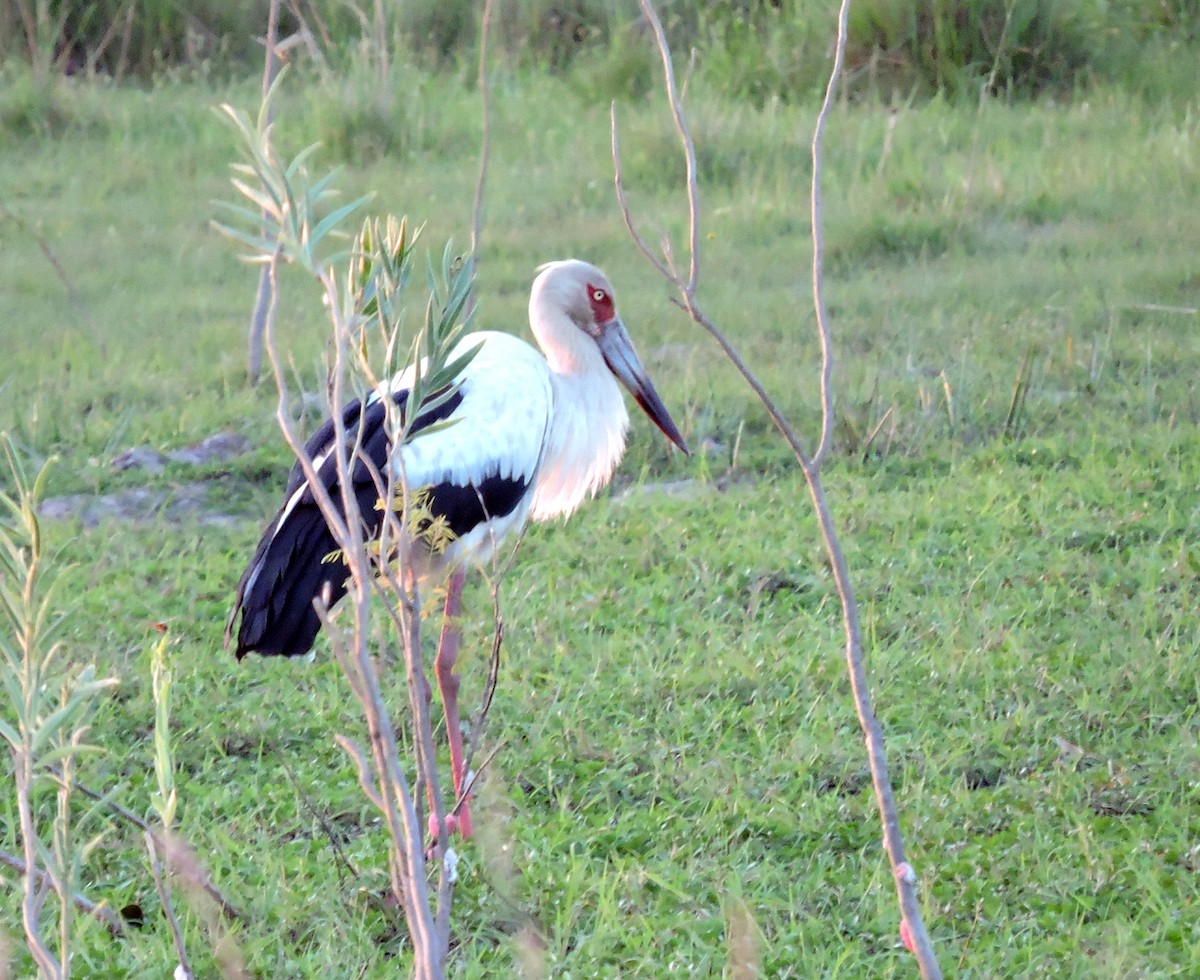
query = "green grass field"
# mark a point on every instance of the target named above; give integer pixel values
(679, 767)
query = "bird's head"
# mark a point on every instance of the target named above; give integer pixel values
(575, 292)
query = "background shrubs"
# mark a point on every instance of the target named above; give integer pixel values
(751, 49)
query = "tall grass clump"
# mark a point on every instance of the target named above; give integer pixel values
(31, 104)
(952, 46)
(774, 49)
(117, 38)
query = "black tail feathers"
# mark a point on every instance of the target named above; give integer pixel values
(295, 561)
(294, 564)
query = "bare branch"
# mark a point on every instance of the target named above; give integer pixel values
(905, 878)
(485, 143)
(52, 259)
(344, 524)
(339, 852)
(489, 686)
(835, 75)
(376, 274)
(168, 908)
(264, 301)
(469, 786)
(366, 772)
(227, 909)
(689, 150)
(114, 24)
(112, 922)
(912, 926)
(629, 225)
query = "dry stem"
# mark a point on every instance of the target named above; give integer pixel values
(110, 919)
(383, 781)
(485, 143)
(38, 882)
(264, 299)
(48, 253)
(226, 908)
(905, 878)
(169, 909)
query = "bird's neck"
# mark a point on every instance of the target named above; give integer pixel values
(585, 441)
(568, 349)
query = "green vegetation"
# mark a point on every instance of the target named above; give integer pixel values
(761, 50)
(1013, 288)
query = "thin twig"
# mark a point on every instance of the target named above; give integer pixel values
(469, 784)
(905, 879)
(913, 927)
(51, 258)
(693, 188)
(114, 24)
(485, 143)
(228, 910)
(168, 908)
(874, 433)
(818, 240)
(645, 249)
(343, 859)
(264, 300)
(102, 913)
(493, 678)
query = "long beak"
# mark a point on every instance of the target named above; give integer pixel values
(624, 362)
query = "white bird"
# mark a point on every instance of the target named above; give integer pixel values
(535, 436)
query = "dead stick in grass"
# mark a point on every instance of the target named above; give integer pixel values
(152, 847)
(228, 910)
(48, 254)
(111, 920)
(913, 927)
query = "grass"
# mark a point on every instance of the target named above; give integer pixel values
(677, 736)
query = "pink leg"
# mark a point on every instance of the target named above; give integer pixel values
(447, 656)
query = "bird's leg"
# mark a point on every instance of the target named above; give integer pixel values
(447, 656)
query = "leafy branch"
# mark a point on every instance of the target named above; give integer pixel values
(49, 708)
(293, 219)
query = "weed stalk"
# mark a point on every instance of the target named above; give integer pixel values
(42, 730)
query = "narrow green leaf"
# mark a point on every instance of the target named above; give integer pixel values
(262, 247)
(334, 217)
(264, 201)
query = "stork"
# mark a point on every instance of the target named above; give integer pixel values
(536, 435)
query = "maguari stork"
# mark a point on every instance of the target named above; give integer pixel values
(536, 434)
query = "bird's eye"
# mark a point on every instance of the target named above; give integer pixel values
(602, 303)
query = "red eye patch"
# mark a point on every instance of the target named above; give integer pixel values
(602, 304)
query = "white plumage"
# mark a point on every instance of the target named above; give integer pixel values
(535, 434)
